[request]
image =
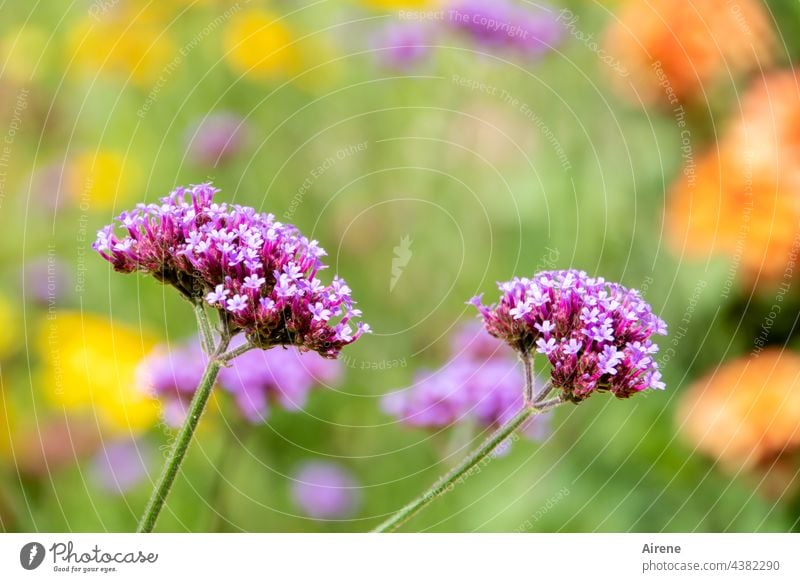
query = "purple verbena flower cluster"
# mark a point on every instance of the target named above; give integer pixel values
(260, 274)
(483, 382)
(595, 334)
(255, 379)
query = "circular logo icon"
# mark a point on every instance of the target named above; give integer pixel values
(31, 555)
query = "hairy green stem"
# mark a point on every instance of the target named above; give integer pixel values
(456, 475)
(204, 327)
(527, 365)
(184, 436)
(236, 352)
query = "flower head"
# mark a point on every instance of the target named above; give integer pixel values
(595, 334)
(260, 274)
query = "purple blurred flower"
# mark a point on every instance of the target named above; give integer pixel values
(215, 139)
(483, 382)
(121, 465)
(540, 32)
(45, 279)
(260, 273)
(255, 379)
(595, 334)
(471, 341)
(324, 490)
(283, 376)
(172, 374)
(488, 22)
(502, 24)
(50, 185)
(402, 45)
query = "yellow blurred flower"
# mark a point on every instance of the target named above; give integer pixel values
(742, 199)
(22, 54)
(7, 425)
(102, 180)
(317, 66)
(746, 414)
(678, 52)
(90, 366)
(258, 44)
(9, 328)
(128, 41)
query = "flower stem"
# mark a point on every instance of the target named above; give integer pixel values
(525, 356)
(456, 475)
(204, 327)
(184, 437)
(236, 352)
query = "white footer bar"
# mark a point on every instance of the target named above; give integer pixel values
(401, 557)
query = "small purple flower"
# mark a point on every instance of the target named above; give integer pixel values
(324, 490)
(120, 466)
(319, 312)
(260, 273)
(254, 282)
(544, 346)
(545, 327)
(572, 347)
(237, 303)
(585, 329)
(215, 139)
(218, 295)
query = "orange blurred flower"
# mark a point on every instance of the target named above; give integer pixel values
(742, 199)
(675, 52)
(746, 413)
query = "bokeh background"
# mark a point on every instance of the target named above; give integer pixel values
(432, 148)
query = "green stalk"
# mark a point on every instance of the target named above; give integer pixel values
(184, 437)
(204, 327)
(449, 481)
